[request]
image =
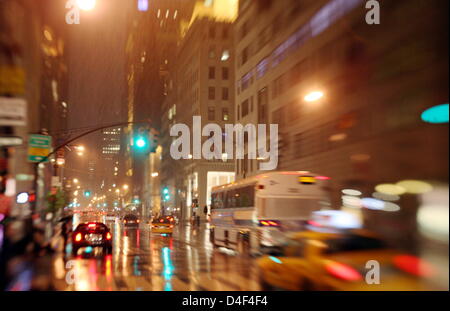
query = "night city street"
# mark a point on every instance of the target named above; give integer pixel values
(179, 147)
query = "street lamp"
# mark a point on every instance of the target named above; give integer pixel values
(75, 180)
(125, 187)
(313, 96)
(86, 5)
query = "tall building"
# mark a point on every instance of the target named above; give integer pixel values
(201, 84)
(32, 68)
(375, 81)
(153, 32)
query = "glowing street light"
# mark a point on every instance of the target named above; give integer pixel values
(313, 96)
(125, 187)
(86, 5)
(75, 180)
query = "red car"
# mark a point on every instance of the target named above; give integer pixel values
(93, 234)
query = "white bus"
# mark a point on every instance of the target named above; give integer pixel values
(254, 214)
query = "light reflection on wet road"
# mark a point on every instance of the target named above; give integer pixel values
(145, 261)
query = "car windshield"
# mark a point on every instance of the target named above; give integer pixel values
(352, 243)
(130, 217)
(98, 227)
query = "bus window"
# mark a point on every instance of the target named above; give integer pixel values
(247, 195)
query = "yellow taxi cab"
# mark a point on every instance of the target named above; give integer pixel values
(163, 225)
(353, 260)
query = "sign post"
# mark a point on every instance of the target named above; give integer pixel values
(39, 148)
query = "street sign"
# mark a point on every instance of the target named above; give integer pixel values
(10, 141)
(39, 147)
(12, 80)
(13, 111)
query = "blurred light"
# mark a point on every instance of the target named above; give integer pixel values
(225, 55)
(275, 259)
(86, 5)
(390, 207)
(433, 214)
(313, 96)
(48, 35)
(60, 161)
(22, 198)
(322, 177)
(436, 115)
(343, 271)
(415, 186)
(78, 237)
(351, 201)
(155, 174)
(385, 197)
(336, 219)
(372, 203)
(390, 189)
(142, 5)
(338, 137)
(413, 265)
(351, 192)
(125, 187)
(75, 180)
(140, 142)
(89, 249)
(361, 157)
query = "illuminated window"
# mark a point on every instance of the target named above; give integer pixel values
(225, 55)
(225, 115)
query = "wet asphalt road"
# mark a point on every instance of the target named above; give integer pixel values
(145, 261)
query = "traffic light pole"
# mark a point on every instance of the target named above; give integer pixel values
(36, 168)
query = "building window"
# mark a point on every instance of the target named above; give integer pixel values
(224, 93)
(225, 73)
(212, 52)
(244, 108)
(211, 113)
(212, 73)
(225, 114)
(211, 93)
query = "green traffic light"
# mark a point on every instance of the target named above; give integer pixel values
(140, 142)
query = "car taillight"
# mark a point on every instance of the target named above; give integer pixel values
(162, 220)
(125, 221)
(78, 237)
(269, 223)
(108, 236)
(138, 221)
(413, 265)
(343, 271)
